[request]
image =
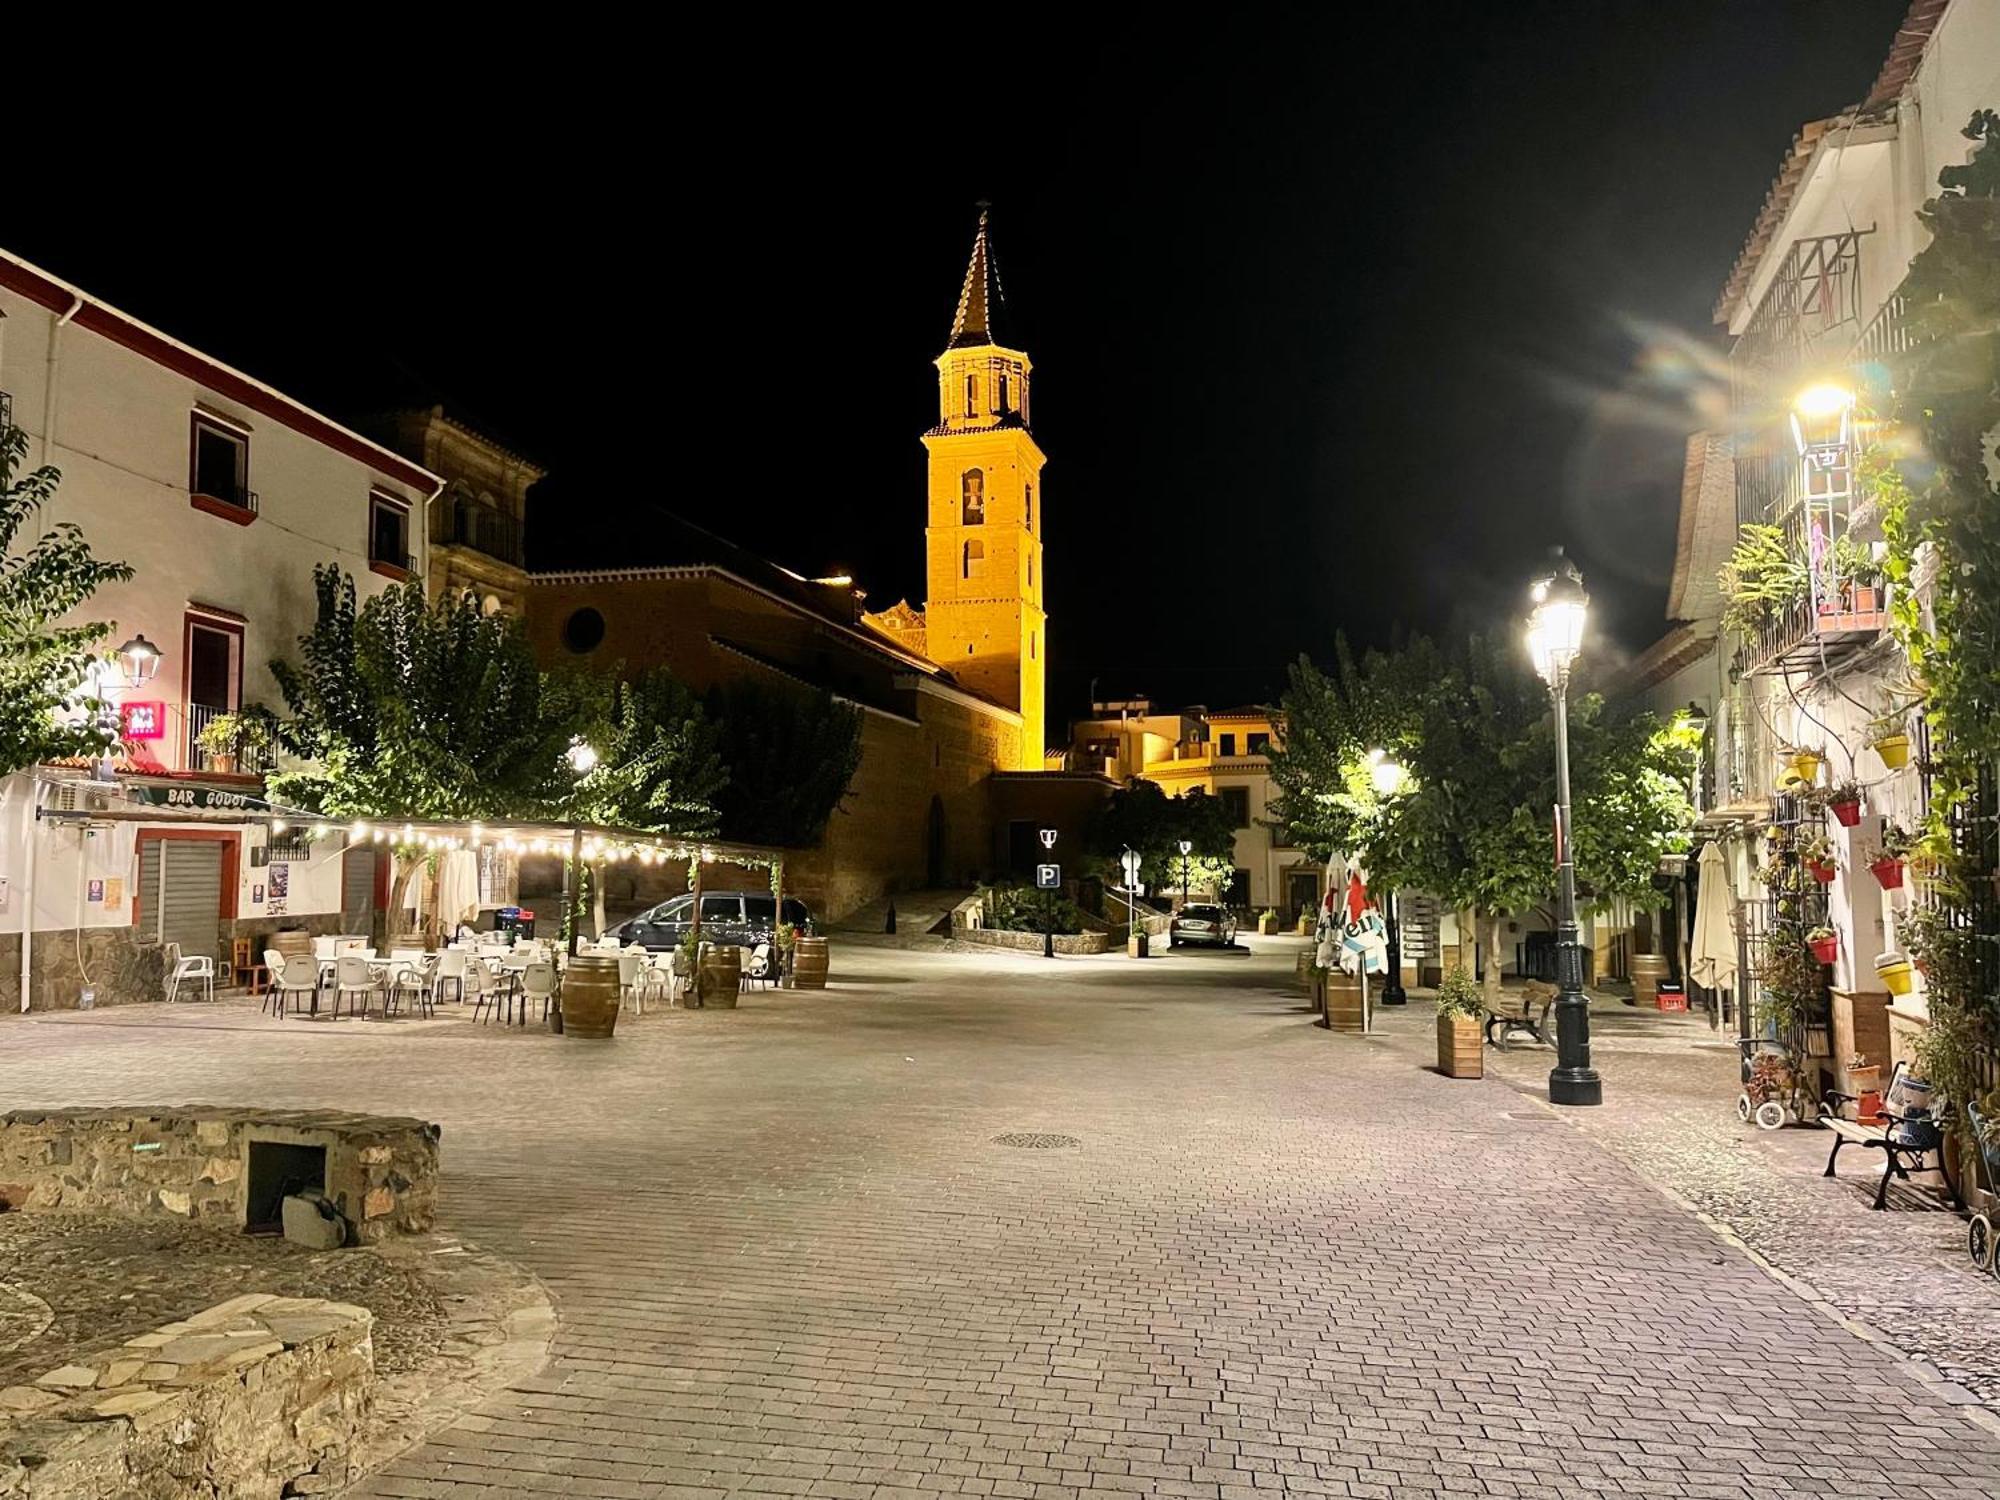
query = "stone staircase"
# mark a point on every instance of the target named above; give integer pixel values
(918, 914)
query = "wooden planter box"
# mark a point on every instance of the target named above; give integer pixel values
(1459, 1047)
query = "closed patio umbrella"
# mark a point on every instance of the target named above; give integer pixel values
(458, 888)
(1712, 957)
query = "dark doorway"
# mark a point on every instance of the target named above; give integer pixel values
(934, 861)
(1024, 848)
(278, 1170)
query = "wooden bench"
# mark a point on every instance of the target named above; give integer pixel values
(1522, 1013)
(1904, 1132)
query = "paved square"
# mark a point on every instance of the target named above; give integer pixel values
(790, 1258)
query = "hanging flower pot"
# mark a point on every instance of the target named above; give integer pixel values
(1825, 945)
(1804, 764)
(1894, 750)
(1847, 811)
(1888, 873)
(1897, 976)
(1822, 870)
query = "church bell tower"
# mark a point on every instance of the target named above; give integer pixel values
(984, 617)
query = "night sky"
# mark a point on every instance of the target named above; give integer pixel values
(1336, 323)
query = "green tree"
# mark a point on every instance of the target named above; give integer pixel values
(791, 754)
(1141, 816)
(404, 709)
(43, 662)
(1472, 823)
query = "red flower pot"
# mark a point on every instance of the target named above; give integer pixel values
(1848, 813)
(1823, 873)
(1826, 949)
(1889, 872)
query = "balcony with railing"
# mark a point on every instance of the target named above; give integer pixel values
(484, 528)
(251, 760)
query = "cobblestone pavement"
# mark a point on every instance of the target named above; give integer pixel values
(788, 1256)
(1670, 1093)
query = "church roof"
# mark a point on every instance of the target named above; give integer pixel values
(980, 295)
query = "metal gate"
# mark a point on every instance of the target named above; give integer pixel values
(357, 880)
(180, 893)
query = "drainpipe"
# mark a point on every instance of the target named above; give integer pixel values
(28, 899)
(49, 376)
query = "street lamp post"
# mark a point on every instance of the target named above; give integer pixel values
(1187, 847)
(1048, 837)
(138, 660)
(1389, 778)
(1555, 637)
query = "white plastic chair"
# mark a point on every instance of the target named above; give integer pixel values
(274, 965)
(352, 976)
(538, 982)
(409, 979)
(451, 969)
(201, 967)
(297, 975)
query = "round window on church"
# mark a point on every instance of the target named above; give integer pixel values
(583, 632)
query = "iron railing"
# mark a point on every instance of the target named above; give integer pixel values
(234, 496)
(402, 560)
(482, 527)
(250, 761)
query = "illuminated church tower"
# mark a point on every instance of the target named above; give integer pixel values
(983, 620)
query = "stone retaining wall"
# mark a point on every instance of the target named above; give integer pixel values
(1031, 942)
(193, 1161)
(257, 1397)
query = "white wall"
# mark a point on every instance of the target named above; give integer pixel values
(121, 439)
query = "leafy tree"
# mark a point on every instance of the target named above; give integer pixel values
(1473, 822)
(43, 662)
(791, 754)
(401, 708)
(659, 766)
(1141, 816)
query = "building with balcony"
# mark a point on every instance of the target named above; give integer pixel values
(478, 523)
(1811, 309)
(223, 493)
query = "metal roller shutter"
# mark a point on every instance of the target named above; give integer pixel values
(190, 903)
(357, 880)
(149, 887)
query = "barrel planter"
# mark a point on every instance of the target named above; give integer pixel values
(590, 997)
(720, 977)
(1648, 969)
(1460, 1053)
(809, 964)
(1343, 1002)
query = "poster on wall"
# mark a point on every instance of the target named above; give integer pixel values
(280, 875)
(256, 895)
(96, 896)
(114, 890)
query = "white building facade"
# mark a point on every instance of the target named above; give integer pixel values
(223, 494)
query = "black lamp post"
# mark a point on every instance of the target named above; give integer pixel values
(1389, 778)
(1555, 637)
(1187, 848)
(1048, 837)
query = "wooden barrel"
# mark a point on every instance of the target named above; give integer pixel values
(809, 964)
(590, 997)
(293, 944)
(720, 976)
(1648, 969)
(1303, 972)
(1343, 1002)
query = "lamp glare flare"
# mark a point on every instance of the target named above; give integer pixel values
(1555, 625)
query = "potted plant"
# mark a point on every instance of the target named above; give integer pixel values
(1898, 978)
(1267, 921)
(1817, 853)
(1825, 944)
(1844, 802)
(1803, 761)
(1459, 1013)
(1889, 737)
(1885, 860)
(1857, 576)
(225, 739)
(1864, 1082)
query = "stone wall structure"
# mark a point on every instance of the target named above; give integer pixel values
(196, 1162)
(255, 1398)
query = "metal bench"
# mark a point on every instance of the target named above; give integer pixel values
(1904, 1132)
(1523, 1014)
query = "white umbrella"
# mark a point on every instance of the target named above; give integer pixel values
(457, 887)
(1712, 958)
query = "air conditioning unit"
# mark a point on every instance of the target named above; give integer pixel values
(82, 796)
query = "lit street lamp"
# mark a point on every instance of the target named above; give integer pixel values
(1389, 779)
(1555, 638)
(138, 659)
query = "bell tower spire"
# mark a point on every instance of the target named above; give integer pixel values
(984, 620)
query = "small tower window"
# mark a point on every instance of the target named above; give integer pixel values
(1031, 507)
(1034, 646)
(974, 562)
(1003, 395)
(1031, 571)
(972, 497)
(971, 401)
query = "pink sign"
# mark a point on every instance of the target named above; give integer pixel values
(144, 721)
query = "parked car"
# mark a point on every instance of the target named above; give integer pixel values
(1202, 924)
(740, 918)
